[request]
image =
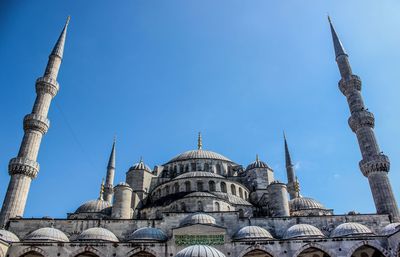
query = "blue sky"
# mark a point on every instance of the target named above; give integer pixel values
(156, 72)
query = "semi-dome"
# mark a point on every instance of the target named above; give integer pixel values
(302, 230)
(140, 166)
(388, 229)
(304, 203)
(8, 236)
(93, 206)
(199, 154)
(252, 232)
(196, 174)
(47, 234)
(199, 218)
(257, 164)
(350, 229)
(148, 234)
(97, 234)
(200, 251)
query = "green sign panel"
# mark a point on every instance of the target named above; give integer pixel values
(199, 239)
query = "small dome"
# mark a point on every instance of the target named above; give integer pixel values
(302, 230)
(390, 229)
(257, 164)
(8, 236)
(196, 174)
(350, 229)
(200, 251)
(304, 203)
(140, 166)
(97, 234)
(93, 206)
(199, 194)
(199, 218)
(252, 232)
(47, 234)
(148, 234)
(199, 154)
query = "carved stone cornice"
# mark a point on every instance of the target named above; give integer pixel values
(36, 122)
(377, 163)
(346, 85)
(24, 166)
(361, 119)
(47, 85)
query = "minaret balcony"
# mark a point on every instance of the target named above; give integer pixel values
(47, 85)
(376, 163)
(361, 119)
(349, 84)
(36, 122)
(24, 166)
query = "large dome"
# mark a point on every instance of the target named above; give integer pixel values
(252, 232)
(97, 234)
(200, 251)
(387, 230)
(8, 236)
(199, 218)
(199, 154)
(304, 203)
(47, 234)
(302, 230)
(140, 166)
(93, 206)
(148, 234)
(350, 229)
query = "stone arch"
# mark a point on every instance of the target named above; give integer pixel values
(252, 251)
(211, 186)
(87, 251)
(142, 252)
(223, 187)
(316, 247)
(188, 186)
(366, 247)
(233, 189)
(33, 251)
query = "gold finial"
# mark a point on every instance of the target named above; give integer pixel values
(297, 187)
(199, 142)
(257, 159)
(141, 159)
(101, 190)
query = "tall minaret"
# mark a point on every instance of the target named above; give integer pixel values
(24, 167)
(374, 164)
(108, 187)
(292, 183)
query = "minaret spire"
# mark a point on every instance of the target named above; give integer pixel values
(109, 185)
(24, 168)
(292, 184)
(199, 142)
(374, 164)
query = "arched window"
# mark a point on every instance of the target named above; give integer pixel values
(187, 186)
(217, 206)
(206, 167)
(183, 207)
(199, 206)
(367, 251)
(143, 254)
(176, 187)
(211, 186)
(187, 167)
(257, 253)
(166, 190)
(233, 189)
(241, 213)
(223, 187)
(193, 166)
(181, 168)
(200, 186)
(245, 195)
(313, 252)
(240, 192)
(218, 167)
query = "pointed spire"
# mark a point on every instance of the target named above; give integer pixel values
(101, 190)
(199, 142)
(287, 153)
(111, 160)
(339, 49)
(58, 49)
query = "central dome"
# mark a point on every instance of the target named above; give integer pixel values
(199, 154)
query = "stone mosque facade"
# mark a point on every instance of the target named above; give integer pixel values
(201, 203)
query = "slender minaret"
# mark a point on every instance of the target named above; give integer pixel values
(24, 168)
(108, 188)
(291, 176)
(374, 164)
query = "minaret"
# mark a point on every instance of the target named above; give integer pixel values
(24, 168)
(374, 164)
(291, 176)
(108, 188)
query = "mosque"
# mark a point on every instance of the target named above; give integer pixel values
(201, 203)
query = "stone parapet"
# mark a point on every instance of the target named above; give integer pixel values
(47, 85)
(36, 122)
(24, 166)
(377, 163)
(346, 85)
(361, 119)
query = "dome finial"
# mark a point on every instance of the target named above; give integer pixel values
(101, 190)
(199, 142)
(297, 187)
(257, 159)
